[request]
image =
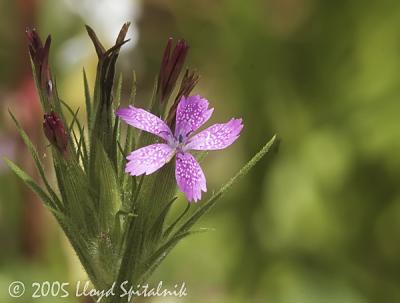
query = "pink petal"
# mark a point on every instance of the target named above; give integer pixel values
(192, 112)
(144, 120)
(217, 136)
(189, 176)
(148, 159)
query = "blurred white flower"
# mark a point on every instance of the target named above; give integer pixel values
(106, 17)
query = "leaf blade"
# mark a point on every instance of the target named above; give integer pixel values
(31, 184)
(211, 201)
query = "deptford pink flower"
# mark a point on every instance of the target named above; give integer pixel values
(192, 112)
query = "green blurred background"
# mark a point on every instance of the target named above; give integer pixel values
(316, 221)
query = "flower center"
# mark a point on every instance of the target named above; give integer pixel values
(178, 143)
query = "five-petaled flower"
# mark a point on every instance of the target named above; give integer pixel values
(192, 112)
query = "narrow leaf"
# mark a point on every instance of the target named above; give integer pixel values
(37, 161)
(156, 259)
(88, 101)
(32, 184)
(206, 206)
(172, 226)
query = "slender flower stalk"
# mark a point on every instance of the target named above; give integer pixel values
(192, 112)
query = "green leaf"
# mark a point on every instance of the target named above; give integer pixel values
(43, 100)
(116, 129)
(129, 138)
(37, 161)
(74, 118)
(155, 232)
(103, 115)
(88, 101)
(83, 251)
(100, 50)
(81, 133)
(154, 201)
(118, 92)
(32, 184)
(56, 101)
(177, 220)
(242, 172)
(78, 195)
(157, 257)
(132, 97)
(151, 203)
(69, 228)
(109, 201)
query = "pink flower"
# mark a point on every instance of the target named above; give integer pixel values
(192, 112)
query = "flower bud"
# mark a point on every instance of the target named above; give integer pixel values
(171, 67)
(189, 81)
(40, 58)
(55, 132)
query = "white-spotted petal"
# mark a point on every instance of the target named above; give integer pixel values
(189, 176)
(144, 120)
(192, 112)
(217, 136)
(148, 159)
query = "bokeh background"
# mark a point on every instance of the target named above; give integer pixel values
(316, 221)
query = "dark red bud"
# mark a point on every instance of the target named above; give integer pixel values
(35, 43)
(55, 132)
(40, 58)
(171, 67)
(189, 81)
